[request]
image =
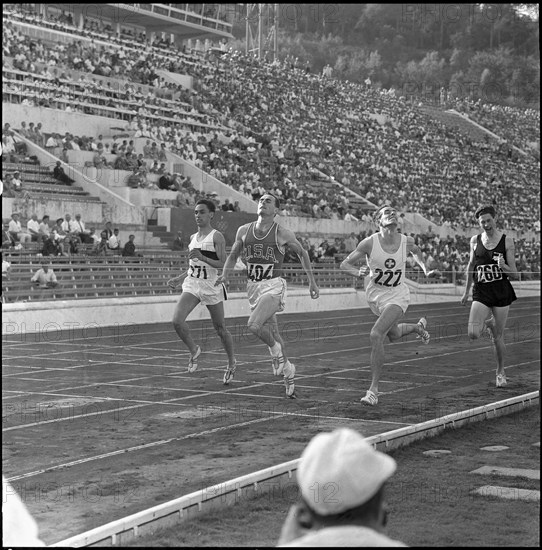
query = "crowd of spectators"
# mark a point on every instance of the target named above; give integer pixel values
(313, 138)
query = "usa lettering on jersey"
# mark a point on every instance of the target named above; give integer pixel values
(257, 251)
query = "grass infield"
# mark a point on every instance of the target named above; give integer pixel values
(429, 498)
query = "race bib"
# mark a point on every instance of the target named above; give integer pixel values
(488, 273)
(198, 271)
(259, 272)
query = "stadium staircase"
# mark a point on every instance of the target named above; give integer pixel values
(457, 122)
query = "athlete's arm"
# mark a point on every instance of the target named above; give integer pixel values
(414, 249)
(235, 252)
(470, 265)
(287, 238)
(362, 252)
(509, 265)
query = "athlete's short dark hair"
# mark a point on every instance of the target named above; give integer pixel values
(209, 204)
(485, 210)
(378, 212)
(277, 200)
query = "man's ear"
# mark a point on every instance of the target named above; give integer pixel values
(304, 516)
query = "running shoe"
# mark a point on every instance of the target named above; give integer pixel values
(289, 381)
(370, 399)
(193, 363)
(425, 336)
(501, 380)
(230, 373)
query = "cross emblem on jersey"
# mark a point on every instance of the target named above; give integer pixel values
(389, 263)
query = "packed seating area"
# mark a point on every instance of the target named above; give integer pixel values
(329, 149)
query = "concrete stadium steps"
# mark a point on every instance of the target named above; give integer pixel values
(456, 122)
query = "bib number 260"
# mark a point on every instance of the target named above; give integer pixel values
(392, 278)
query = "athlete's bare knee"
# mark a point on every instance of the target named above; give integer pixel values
(376, 336)
(255, 328)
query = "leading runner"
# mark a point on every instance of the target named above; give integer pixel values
(263, 244)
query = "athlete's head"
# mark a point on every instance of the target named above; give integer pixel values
(268, 204)
(204, 212)
(485, 210)
(486, 217)
(385, 215)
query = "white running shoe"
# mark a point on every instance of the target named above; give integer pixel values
(370, 399)
(193, 363)
(425, 336)
(289, 381)
(501, 381)
(230, 373)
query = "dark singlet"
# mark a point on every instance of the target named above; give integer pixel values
(263, 255)
(491, 285)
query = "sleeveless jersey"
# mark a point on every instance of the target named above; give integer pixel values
(486, 270)
(491, 285)
(263, 255)
(387, 270)
(198, 269)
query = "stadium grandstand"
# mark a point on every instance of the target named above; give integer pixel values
(123, 116)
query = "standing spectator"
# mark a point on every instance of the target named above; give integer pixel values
(45, 277)
(7, 239)
(108, 230)
(114, 241)
(356, 515)
(130, 249)
(178, 242)
(16, 230)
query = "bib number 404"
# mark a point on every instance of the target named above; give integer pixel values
(258, 272)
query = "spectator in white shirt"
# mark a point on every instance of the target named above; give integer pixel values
(81, 231)
(33, 227)
(114, 241)
(45, 277)
(16, 230)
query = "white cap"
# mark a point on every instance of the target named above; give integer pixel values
(340, 470)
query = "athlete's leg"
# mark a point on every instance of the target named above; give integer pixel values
(496, 327)
(403, 329)
(219, 324)
(388, 319)
(477, 320)
(183, 309)
(258, 321)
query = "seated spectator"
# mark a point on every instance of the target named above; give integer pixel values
(356, 516)
(165, 182)
(45, 230)
(7, 239)
(16, 185)
(60, 175)
(113, 242)
(52, 245)
(16, 230)
(101, 248)
(78, 225)
(155, 168)
(45, 277)
(100, 161)
(93, 237)
(130, 249)
(178, 242)
(33, 228)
